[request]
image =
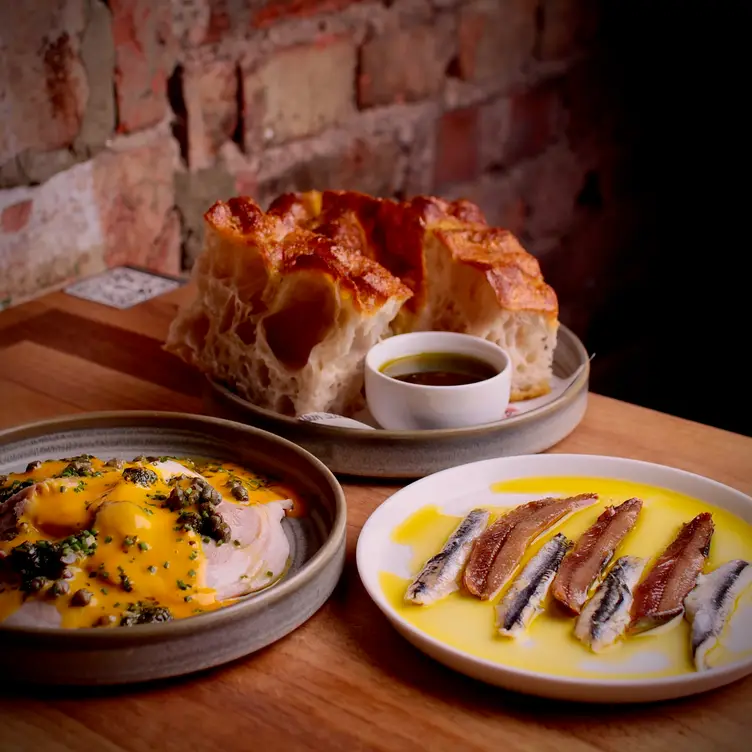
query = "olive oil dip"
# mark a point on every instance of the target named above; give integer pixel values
(439, 369)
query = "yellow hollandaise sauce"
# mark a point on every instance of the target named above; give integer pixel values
(108, 542)
(549, 646)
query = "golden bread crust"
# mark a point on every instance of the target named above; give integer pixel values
(290, 300)
(287, 246)
(393, 234)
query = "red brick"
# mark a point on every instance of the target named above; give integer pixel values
(142, 34)
(549, 185)
(135, 193)
(567, 25)
(534, 117)
(499, 198)
(16, 216)
(404, 65)
(44, 89)
(300, 91)
(496, 40)
(456, 157)
(371, 164)
(210, 92)
(281, 10)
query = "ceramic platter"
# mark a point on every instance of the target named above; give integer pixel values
(547, 660)
(536, 426)
(144, 652)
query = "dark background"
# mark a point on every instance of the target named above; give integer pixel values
(676, 337)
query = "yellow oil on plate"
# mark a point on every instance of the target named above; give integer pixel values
(547, 660)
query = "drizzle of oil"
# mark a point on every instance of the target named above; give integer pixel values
(549, 646)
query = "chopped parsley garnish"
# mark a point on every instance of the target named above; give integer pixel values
(125, 582)
(182, 585)
(108, 539)
(143, 545)
(79, 467)
(16, 486)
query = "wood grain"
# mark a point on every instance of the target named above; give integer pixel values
(345, 680)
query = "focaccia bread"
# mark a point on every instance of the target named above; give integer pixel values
(289, 301)
(282, 315)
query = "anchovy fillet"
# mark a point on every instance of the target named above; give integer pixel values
(592, 553)
(499, 550)
(659, 598)
(441, 574)
(709, 605)
(606, 616)
(524, 599)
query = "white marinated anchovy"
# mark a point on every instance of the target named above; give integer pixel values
(524, 599)
(441, 573)
(606, 616)
(709, 605)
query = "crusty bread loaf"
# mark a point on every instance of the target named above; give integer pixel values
(289, 301)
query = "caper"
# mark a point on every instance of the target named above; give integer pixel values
(59, 587)
(238, 491)
(81, 597)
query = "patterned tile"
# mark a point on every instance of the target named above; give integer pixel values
(122, 287)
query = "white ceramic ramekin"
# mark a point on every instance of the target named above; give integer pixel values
(398, 405)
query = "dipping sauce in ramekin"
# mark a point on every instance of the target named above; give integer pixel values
(431, 380)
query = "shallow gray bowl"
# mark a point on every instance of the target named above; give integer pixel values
(133, 654)
(413, 454)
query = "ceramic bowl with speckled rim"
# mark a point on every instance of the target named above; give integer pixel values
(146, 652)
(412, 454)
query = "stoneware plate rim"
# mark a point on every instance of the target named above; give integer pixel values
(287, 588)
(383, 435)
(405, 501)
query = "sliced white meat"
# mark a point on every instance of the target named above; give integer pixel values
(169, 469)
(260, 558)
(13, 508)
(263, 550)
(34, 614)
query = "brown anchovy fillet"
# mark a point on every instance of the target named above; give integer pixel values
(498, 551)
(660, 596)
(592, 553)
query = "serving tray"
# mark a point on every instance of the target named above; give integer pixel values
(537, 426)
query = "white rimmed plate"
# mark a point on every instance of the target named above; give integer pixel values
(459, 489)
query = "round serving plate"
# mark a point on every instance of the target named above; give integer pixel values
(460, 489)
(413, 454)
(145, 652)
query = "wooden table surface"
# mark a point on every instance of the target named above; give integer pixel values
(344, 680)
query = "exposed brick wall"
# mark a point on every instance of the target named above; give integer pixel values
(121, 122)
